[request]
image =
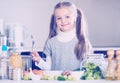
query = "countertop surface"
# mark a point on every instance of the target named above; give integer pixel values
(76, 74)
(55, 81)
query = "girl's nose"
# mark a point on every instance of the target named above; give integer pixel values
(63, 20)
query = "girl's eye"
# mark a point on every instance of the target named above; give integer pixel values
(67, 16)
(58, 18)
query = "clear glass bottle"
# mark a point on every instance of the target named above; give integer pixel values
(4, 63)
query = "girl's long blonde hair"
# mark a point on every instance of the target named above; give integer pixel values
(81, 29)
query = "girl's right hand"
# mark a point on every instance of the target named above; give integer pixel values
(35, 56)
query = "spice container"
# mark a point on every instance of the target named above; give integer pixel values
(111, 75)
(16, 64)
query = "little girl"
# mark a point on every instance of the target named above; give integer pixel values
(67, 44)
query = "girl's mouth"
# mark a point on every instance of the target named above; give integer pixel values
(63, 25)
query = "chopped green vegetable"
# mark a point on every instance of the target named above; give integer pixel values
(61, 78)
(92, 72)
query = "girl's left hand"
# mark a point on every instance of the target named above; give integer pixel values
(66, 73)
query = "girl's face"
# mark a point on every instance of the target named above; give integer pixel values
(64, 19)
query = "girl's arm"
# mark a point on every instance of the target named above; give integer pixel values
(45, 65)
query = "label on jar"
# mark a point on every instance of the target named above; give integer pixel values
(17, 74)
(3, 69)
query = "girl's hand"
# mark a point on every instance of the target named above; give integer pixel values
(35, 56)
(66, 73)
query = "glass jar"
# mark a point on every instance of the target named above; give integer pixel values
(97, 59)
(16, 64)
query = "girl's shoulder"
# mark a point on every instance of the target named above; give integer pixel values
(52, 40)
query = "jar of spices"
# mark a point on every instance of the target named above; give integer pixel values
(16, 64)
(111, 65)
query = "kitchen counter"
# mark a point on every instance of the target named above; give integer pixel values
(52, 73)
(54, 81)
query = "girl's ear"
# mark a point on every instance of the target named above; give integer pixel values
(75, 19)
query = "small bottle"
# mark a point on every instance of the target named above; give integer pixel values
(4, 63)
(118, 64)
(111, 65)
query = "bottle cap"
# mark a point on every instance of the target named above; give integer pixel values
(4, 48)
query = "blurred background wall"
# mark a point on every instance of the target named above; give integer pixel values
(103, 19)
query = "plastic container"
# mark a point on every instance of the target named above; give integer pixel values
(97, 59)
(4, 63)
